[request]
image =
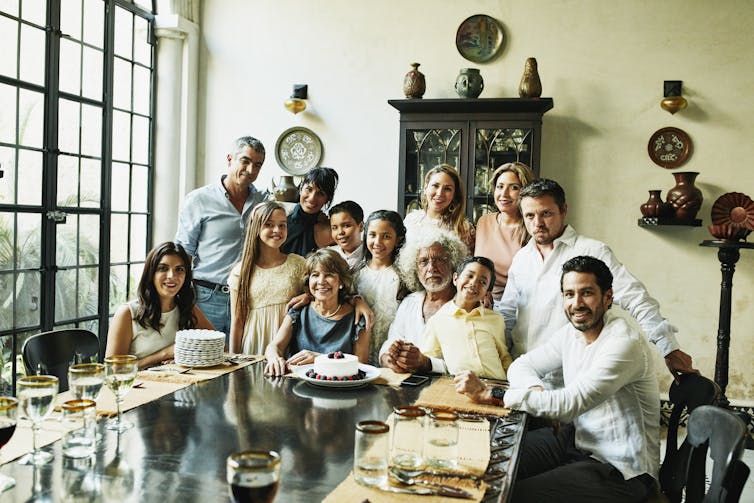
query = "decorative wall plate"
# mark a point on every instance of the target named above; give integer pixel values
(298, 150)
(479, 38)
(669, 147)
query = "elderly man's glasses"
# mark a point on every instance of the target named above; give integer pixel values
(436, 261)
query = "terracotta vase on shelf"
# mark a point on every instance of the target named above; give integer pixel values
(530, 86)
(654, 207)
(414, 84)
(685, 197)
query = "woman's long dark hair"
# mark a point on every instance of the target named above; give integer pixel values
(149, 312)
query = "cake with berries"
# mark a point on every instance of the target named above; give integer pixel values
(337, 366)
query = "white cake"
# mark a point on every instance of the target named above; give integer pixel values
(336, 365)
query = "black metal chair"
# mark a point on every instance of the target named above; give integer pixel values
(724, 433)
(53, 352)
(692, 391)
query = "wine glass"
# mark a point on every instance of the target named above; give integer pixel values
(8, 416)
(120, 373)
(86, 380)
(36, 395)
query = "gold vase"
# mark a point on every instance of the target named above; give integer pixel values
(530, 86)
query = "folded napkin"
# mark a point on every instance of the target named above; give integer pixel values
(442, 394)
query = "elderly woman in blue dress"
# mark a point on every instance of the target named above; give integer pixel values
(326, 324)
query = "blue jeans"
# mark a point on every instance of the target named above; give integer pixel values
(216, 307)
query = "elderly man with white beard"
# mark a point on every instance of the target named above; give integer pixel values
(426, 264)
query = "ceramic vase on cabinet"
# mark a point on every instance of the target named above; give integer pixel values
(414, 84)
(285, 189)
(530, 86)
(469, 83)
(654, 207)
(685, 197)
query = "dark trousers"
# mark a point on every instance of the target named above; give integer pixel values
(551, 468)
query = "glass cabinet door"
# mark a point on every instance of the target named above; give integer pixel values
(425, 149)
(494, 147)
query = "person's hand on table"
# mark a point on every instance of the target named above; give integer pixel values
(276, 366)
(302, 357)
(679, 363)
(468, 383)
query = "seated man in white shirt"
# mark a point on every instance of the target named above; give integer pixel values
(426, 264)
(611, 451)
(530, 304)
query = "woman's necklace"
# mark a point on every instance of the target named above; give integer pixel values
(329, 316)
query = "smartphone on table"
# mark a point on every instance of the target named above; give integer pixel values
(414, 380)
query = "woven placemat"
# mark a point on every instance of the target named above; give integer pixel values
(173, 372)
(442, 394)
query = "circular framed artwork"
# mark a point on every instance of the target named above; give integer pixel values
(298, 150)
(479, 38)
(669, 147)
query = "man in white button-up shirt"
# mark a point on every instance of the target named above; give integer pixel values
(611, 451)
(531, 305)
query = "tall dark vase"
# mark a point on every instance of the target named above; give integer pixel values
(685, 197)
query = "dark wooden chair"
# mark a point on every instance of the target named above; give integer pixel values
(53, 352)
(692, 391)
(724, 434)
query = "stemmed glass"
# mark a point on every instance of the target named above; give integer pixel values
(120, 373)
(86, 380)
(36, 395)
(8, 416)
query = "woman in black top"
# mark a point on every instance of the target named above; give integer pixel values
(308, 226)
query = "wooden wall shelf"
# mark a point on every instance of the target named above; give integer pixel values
(663, 221)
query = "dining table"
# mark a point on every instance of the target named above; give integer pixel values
(179, 444)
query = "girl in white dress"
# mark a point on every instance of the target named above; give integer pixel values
(263, 282)
(377, 280)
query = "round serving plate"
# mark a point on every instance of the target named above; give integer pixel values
(298, 150)
(371, 372)
(479, 38)
(734, 208)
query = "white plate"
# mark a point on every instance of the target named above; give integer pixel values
(372, 373)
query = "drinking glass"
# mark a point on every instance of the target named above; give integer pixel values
(370, 453)
(253, 476)
(79, 418)
(85, 380)
(441, 439)
(36, 395)
(120, 373)
(408, 437)
(8, 416)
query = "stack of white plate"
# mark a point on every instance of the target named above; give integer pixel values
(199, 348)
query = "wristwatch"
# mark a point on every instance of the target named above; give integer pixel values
(498, 394)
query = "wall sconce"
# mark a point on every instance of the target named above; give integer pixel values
(297, 102)
(673, 101)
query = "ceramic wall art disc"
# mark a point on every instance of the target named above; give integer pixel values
(298, 150)
(479, 38)
(669, 147)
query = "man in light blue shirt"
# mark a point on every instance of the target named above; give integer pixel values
(211, 227)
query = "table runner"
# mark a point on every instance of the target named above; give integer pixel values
(442, 394)
(172, 371)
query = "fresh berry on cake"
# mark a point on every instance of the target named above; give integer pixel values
(337, 366)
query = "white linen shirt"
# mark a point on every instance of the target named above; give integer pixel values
(532, 304)
(610, 393)
(408, 326)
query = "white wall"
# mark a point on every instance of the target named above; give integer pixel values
(603, 63)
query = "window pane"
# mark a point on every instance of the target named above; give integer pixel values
(7, 245)
(89, 239)
(9, 43)
(65, 299)
(87, 293)
(123, 32)
(9, 6)
(29, 244)
(91, 86)
(70, 66)
(8, 117)
(30, 172)
(31, 118)
(8, 164)
(91, 130)
(121, 136)
(134, 278)
(91, 170)
(117, 287)
(142, 85)
(139, 188)
(122, 84)
(68, 126)
(140, 152)
(120, 185)
(26, 302)
(119, 238)
(94, 27)
(34, 11)
(138, 237)
(66, 245)
(68, 181)
(142, 48)
(33, 50)
(6, 297)
(70, 18)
